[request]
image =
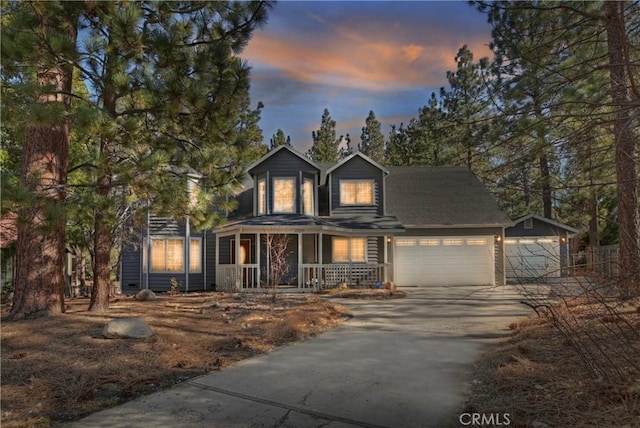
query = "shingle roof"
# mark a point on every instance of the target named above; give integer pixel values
(440, 196)
(381, 224)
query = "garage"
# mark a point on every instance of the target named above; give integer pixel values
(449, 260)
(532, 257)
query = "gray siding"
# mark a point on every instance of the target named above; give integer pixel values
(357, 169)
(540, 228)
(285, 164)
(131, 280)
(133, 271)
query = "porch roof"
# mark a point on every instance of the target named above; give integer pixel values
(370, 225)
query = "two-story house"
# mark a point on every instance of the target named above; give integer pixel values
(353, 222)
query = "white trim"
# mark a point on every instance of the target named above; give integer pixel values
(351, 156)
(273, 152)
(549, 221)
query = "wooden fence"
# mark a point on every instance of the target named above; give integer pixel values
(602, 260)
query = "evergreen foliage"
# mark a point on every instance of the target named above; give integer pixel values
(166, 94)
(372, 140)
(326, 147)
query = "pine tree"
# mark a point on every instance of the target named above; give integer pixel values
(168, 94)
(279, 139)
(372, 140)
(38, 45)
(325, 148)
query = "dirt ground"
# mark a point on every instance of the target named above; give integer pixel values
(577, 364)
(60, 368)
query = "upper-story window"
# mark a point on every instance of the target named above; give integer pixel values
(307, 197)
(284, 195)
(356, 192)
(262, 196)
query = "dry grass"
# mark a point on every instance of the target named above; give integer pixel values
(583, 374)
(61, 368)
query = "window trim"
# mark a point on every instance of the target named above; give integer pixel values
(289, 178)
(356, 202)
(349, 248)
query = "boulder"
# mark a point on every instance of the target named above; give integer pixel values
(342, 285)
(127, 328)
(145, 296)
(390, 286)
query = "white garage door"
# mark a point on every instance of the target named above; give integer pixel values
(532, 257)
(455, 260)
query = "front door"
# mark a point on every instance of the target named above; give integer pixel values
(245, 251)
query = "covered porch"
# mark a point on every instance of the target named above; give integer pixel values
(316, 256)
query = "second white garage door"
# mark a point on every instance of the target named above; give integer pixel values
(532, 257)
(455, 260)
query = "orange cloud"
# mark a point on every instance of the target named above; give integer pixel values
(348, 59)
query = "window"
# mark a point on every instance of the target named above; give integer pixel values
(452, 242)
(167, 255)
(356, 192)
(284, 195)
(476, 242)
(346, 250)
(307, 197)
(429, 242)
(195, 255)
(405, 242)
(262, 196)
(194, 191)
(528, 223)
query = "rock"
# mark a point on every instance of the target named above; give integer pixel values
(343, 285)
(146, 296)
(390, 286)
(127, 328)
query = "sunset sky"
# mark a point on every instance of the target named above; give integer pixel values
(352, 57)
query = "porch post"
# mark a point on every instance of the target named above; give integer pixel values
(385, 255)
(319, 268)
(237, 267)
(216, 263)
(299, 260)
(258, 236)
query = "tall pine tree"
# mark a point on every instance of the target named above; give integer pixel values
(372, 139)
(326, 147)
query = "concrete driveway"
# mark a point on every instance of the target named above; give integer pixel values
(397, 363)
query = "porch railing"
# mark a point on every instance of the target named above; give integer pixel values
(313, 276)
(316, 276)
(237, 277)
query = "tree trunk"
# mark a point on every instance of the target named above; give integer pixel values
(547, 202)
(102, 243)
(40, 264)
(626, 173)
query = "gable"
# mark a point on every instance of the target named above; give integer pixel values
(283, 159)
(540, 226)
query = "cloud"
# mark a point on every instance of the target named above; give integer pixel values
(352, 57)
(350, 53)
